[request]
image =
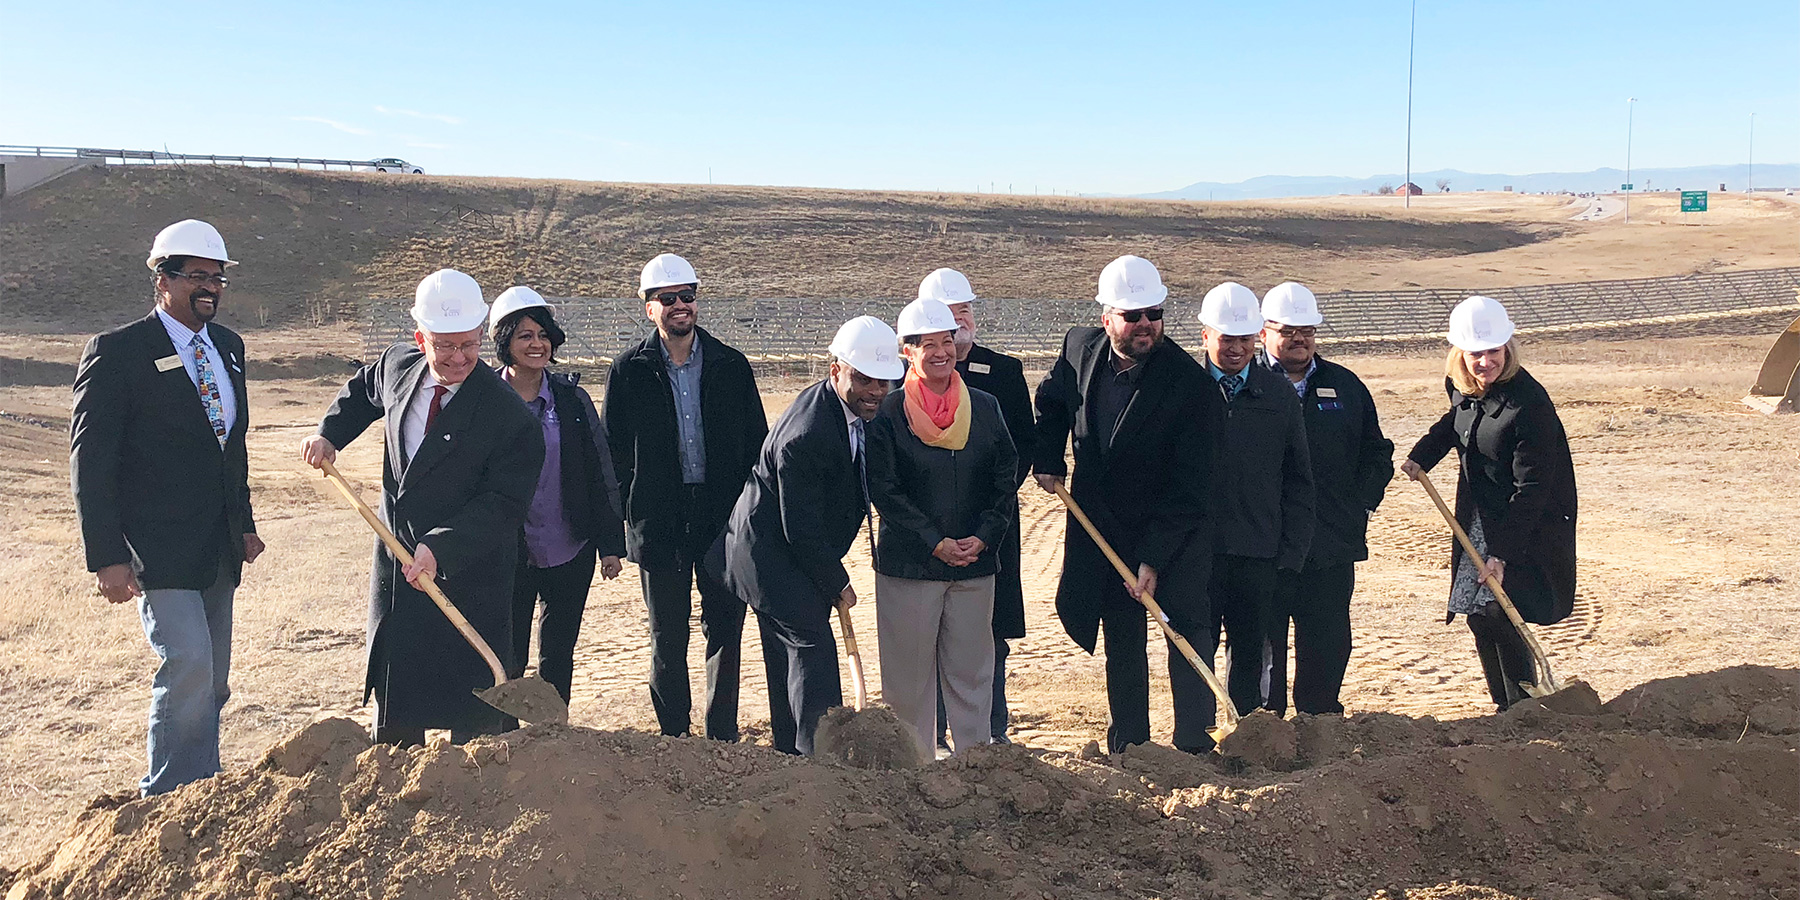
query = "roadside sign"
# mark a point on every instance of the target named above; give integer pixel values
(1693, 201)
(1624, 187)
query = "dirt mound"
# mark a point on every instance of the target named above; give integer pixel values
(1543, 804)
(872, 738)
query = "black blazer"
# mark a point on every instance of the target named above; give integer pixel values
(799, 515)
(1352, 462)
(1004, 376)
(463, 494)
(640, 425)
(152, 485)
(1517, 470)
(1146, 490)
(1265, 473)
(590, 488)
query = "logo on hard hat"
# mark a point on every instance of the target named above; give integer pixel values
(1481, 329)
(1237, 315)
(453, 308)
(1134, 288)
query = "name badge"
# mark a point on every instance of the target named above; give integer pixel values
(980, 368)
(167, 363)
(1327, 392)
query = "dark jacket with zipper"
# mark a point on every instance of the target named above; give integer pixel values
(1265, 473)
(1352, 462)
(590, 489)
(926, 494)
(640, 426)
(1517, 470)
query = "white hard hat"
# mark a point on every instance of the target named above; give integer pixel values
(869, 346)
(448, 302)
(1480, 323)
(926, 316)
(1231, 309)
(188, 237)
(1131, 282)
(946, 286)
(1290, 303)
(511, 301)
(666, 270)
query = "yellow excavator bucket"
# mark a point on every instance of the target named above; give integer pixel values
(1777, 388)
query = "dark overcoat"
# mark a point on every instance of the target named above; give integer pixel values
(1145, 489)
(1265, 488)
(799, 515)
(464, 495)
(1004, 376)
(152, 485)
(1517, 470)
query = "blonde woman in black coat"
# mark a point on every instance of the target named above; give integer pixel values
(1515, 496)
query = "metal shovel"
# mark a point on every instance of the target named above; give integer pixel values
(528, 699)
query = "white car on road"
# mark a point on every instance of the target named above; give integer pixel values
(390, 164)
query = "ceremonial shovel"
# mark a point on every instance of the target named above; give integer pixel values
(859, 686)
(1548, 685)
(1218, 733)
(528, 699)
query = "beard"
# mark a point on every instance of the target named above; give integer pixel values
(963, 338)
(204, 315)
(1132, 345)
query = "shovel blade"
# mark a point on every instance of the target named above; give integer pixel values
(529, 699)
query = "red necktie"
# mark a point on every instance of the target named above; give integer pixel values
(437, 405)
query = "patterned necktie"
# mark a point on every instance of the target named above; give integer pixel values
(437, 406)
(1231, 384)
(856, 452)
(209, 389)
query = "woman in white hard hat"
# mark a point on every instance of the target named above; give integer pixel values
(1515, 495)
(941, 470)
(574, 513)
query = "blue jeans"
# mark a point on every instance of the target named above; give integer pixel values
(191, 633)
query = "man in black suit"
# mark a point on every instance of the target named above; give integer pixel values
(1138, 410)
(685, 424)
(983, 368)
(161, 481)
(805, 503)
(461, 464)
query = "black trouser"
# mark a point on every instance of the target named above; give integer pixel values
(1241, 590)
(1318, 602)
(563, 590)
(801, 662)
(1505, 657)
(1125, 625)
(998, 718)
(668, 595)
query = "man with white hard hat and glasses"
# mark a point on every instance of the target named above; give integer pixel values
(686, 424)
(986, 369)
(798, 516)
(161, 481)
(1263, 492)
(461, 462)
(1352, 462)
(1139, 412)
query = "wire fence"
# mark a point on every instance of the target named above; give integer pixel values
(791, 334)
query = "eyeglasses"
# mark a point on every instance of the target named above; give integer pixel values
(1154, 314)
(467, 348)
(201, 278)
(678, 297)
(1291, 332)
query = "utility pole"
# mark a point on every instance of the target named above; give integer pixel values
(1629, 108)
(1750, 179)
(1412, 31)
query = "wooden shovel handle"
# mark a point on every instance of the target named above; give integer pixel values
(429, 587)
(858, 685)
(1156, 612)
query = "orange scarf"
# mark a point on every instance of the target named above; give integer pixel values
(939, 420)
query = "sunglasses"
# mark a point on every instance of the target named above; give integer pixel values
(688, 297)
(1154, 314)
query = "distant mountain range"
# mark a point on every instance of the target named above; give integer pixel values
(1691, 178)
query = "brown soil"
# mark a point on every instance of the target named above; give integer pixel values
(872, 738)
(1647, 798)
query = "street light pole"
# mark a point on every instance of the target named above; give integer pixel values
(1628, 185)
(1750, 179)
(1412, 31)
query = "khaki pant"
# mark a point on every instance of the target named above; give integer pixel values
(937, 635)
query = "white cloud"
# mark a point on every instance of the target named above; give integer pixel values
(320, 120)
(413, 113)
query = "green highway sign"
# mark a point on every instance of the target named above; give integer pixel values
(1693, 201)
(1624, 187)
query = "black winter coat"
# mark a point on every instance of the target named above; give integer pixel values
(1146, 490)
(926, 494)
(1517, 470)
(1352, 462)
(1265, 473)
(590, 487)
(640, 424)
(1004, 377)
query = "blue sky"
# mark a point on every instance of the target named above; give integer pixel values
(1117, 97)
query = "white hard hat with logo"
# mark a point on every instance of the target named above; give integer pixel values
(1131, 282)
(188, 237)
(1480, 323)
(869, 346)
(1290, 303)
(946, 286)
(666, 270)
(448, 302)
(926, 316)
(1231, 309)
(511, 301)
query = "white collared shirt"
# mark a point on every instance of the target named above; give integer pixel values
(418, 409)
(183, 339)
